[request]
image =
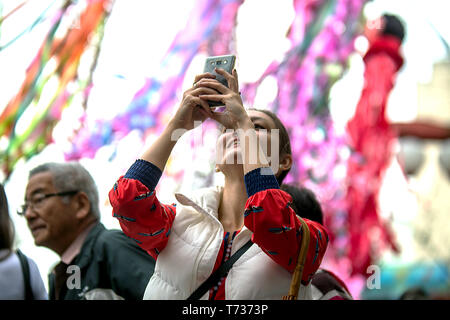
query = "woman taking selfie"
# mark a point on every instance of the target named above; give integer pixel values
(192, 239)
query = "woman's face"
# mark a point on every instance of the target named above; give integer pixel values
(229, 151)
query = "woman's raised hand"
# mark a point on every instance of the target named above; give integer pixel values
(193, 110)
(234, 115)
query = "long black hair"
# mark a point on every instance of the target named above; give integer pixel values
(6, 225)
(304, 202)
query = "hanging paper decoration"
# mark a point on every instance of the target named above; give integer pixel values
(151, 104)
(40, 19)
(45, 91)
(371, 139)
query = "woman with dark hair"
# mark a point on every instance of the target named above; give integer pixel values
(326, 285)
(6, 226)
(203, 231)
(14, 283)
(304, 202)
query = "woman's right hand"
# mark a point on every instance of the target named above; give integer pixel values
(193, 110)
(234, 116)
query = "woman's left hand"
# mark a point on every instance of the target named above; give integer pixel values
(234, 116)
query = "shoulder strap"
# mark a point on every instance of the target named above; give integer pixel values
(222, 271)
(26, 275)
(298, 271)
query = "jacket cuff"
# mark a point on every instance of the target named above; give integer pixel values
(146, 172)
(260, 179)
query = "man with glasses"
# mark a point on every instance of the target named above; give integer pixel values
(62, 212)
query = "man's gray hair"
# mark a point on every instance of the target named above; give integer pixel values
(70, 176)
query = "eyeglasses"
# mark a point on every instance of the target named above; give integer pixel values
(38, 201)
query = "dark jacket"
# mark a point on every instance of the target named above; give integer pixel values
(111, 266)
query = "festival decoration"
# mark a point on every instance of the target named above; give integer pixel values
(50, 74)
(209, 20)
(371, 138)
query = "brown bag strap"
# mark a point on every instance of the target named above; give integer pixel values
(298, 272)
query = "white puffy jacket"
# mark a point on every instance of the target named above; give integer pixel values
(193, 245)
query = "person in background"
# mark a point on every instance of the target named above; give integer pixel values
(304, 202)
(191, 240)
(15, 284)
(62, 212)
(414, 293)
(325, 284)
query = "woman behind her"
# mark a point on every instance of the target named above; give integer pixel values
(12, 282)
(326, 285)
(190, 240)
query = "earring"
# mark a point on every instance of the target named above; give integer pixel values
(217, 169)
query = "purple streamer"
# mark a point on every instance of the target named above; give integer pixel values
(209, 17)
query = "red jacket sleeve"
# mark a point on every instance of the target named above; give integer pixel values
(276, 227)
(141, 216)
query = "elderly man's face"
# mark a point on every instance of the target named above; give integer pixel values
(50, 220)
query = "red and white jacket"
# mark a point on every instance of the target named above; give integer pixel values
(187, 239)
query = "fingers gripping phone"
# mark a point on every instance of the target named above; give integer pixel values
(224, 62)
